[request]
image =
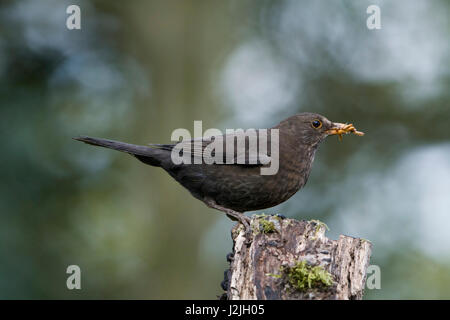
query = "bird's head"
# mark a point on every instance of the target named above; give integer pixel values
(313, 128)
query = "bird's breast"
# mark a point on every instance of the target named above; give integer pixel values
(248, 190)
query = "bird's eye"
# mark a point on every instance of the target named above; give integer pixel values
(316, 124)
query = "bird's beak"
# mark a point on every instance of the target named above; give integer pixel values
(343, 128)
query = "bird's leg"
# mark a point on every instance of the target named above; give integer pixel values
(242, 218)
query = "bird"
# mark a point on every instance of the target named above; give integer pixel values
(235, 187)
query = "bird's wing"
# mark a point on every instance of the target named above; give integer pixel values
(214, 149)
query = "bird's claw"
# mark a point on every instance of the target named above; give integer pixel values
(247, 229)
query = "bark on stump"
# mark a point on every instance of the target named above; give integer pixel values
(262, 267)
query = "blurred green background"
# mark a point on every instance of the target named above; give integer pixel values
(137, 70)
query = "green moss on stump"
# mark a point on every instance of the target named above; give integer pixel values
(266, 226)
(302, 276)
(319, 225)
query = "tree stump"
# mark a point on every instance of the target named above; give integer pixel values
(291, 259)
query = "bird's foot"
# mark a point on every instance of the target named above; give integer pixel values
(245, 221)
(234, 215)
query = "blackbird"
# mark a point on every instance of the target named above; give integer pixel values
(235, 187)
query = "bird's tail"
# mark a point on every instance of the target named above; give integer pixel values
(148, 155)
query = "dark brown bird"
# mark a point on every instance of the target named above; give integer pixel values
(235, 188)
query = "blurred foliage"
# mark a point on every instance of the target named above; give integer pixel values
(138, 70)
